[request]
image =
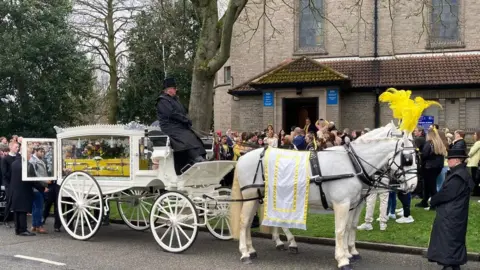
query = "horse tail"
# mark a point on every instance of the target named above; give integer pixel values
(236, 207)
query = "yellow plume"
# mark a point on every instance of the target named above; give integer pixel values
(397, 99)
(408, 111)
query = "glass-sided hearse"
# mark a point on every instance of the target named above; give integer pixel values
(134, 166)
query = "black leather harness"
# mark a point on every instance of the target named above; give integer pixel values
(319, 179)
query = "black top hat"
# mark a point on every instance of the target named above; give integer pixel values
(169, 82)
(456, 153)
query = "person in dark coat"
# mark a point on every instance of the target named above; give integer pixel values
(447, 240)
(6, 164)
(22, 195)
(173, 121)
(459, 141)
(420, 141)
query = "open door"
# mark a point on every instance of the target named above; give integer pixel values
(39, 159)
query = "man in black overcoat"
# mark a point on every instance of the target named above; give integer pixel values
(6, 164)
(447, 240)
(173, 120)
(22, 195)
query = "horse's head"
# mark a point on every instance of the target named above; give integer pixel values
(391, 153)
(402, 167)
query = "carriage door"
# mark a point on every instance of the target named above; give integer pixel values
(39, 159)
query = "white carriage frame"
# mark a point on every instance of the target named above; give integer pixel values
(165, 176)
(199, 184)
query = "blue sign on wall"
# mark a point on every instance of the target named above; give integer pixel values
(268, 99)
(332, 96)
(426, 121)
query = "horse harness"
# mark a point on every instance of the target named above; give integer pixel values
(360, 172)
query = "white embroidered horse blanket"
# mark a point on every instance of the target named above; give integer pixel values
(287, 175)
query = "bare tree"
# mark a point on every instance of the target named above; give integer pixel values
(103, 25)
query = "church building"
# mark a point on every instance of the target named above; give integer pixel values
(331, 59)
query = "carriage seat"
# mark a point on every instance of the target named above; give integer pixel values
(161, 143)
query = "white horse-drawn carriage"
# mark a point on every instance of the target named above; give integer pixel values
(134, 166)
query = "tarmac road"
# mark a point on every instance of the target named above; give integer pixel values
(118, 247)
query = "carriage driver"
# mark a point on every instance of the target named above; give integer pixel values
(173, 120)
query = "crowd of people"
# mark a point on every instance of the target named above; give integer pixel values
(318, 136)
(24, 198)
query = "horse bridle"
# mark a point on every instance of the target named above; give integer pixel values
(393, 175)
(408, 154)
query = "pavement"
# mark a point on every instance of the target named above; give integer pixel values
(118, 247)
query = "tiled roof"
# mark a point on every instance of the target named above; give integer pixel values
(414, 71)
(299, 71)
(302, 70)
(402, 71)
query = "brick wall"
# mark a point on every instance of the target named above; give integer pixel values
(334, 114)
(249, 111)
(473, 113)
(222, 106)
(386, 114)
(357, 110)
(452, 111)
(268, 116)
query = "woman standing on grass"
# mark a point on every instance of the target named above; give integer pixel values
(433, 156)
(473, 161)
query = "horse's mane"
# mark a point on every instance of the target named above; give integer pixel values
(378, 134)
(385, 133)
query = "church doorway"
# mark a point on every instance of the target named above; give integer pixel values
(296, 110)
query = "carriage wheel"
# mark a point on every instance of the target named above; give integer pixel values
(174, 222)
(218, 215)
(80, 205)
(135, 207)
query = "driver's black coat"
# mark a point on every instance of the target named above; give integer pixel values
(174, 122)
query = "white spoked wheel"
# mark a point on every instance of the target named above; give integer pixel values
(218, 215)
(134, 207)
(174, 222)
(80, 205)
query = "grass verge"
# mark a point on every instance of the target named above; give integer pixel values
(415, 234)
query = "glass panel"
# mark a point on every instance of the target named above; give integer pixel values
(39, 163)
(311, 23)
(97, 155)
(445, 20)
(145, 154)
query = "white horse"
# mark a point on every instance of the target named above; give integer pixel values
(346, 174)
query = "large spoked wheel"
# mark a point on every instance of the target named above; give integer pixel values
(218, 215)
(134, 207)
(80, 205)
(174, 222)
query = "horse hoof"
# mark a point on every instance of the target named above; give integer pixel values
(280, 247)
(346, 267)
(355, 258)
(246, 260)
(293, 250)
(253, 255)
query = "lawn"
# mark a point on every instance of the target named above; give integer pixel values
(415, 234)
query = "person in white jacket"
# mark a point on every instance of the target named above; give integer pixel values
(370, 209)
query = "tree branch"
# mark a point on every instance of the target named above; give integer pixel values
(233, 11)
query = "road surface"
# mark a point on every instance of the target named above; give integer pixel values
(117, 247)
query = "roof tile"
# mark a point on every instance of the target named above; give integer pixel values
(414, 71)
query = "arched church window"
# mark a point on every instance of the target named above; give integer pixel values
(310, 25)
